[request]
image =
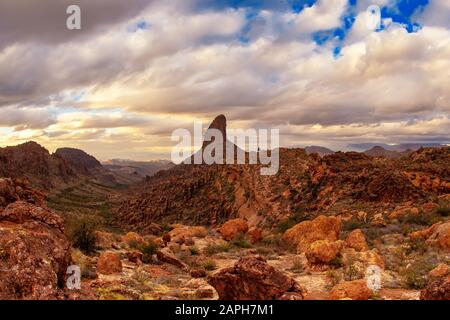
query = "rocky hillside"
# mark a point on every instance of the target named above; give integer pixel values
(306, 185)
(80, 160)
(34, 162)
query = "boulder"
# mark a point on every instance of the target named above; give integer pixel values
(104, 240)
(378, 220)
(109, 263)
(440, 271)
(254, 234)
(230, 229)
(355, 290)
(135, 256)
(182, 231)
(402, 212)
(438, 235)
(198, 273)
(132, 238)
(166, 255)
(305, 233)
(323, 251)
(438, 289)
(356, 240)
(34, 252)
(251, 278)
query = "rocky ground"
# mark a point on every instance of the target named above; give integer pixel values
(327, 257)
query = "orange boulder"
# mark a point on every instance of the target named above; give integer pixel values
(109, 263)
(355, 290)
(302, 235)
(357, 240)
(230, 229)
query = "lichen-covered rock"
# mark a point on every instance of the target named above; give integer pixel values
(440, 271)
(109, 263)
(254, 234)
(34, 252)
(323, 251)
(166, 255)
(132, 238)
(305, 233)
(251, 278)
(438, 235)
(230, 229)
(438, 289)
(356, 240)
(355, 290)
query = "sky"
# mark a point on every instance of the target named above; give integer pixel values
(318, 70)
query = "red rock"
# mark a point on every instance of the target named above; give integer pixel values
(109, 263)
(355, 290)
(251, 278)
(198, 273)
(323, 251)
(305, 233)
(34, 253)
(254, 234)
(230, 229)
(438, 289)
(356, 240)
(204, 293)
(440, 271)
(135, 256)
(132, 238)
(165, 255)
(438, 235)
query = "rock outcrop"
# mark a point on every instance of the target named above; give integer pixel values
(230, 229)
(305, 233)
(109, 263)
(251, 278)
(438, 235)
(34, 252)
(437, 290)
(354, 290)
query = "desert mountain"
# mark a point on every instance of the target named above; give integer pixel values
(321, 151)
(136, 170)
(80, 160)
(305, 185)
(382, 152)
(34, 162)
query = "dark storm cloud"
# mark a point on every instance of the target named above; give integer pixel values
(45, 20)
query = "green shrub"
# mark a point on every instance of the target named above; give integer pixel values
(212, 249)
(210, 265)
(297, 266)
(194, 251)
(239, 241)
(416, 274)
(286, 224)
(352, 224)
(82, 234)
(443, 211)
(148, 249)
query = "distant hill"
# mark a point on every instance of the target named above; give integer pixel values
(381, 152)
(79, 159)
(396, 147)
(136, 170)
(32, 161)
(322, 151)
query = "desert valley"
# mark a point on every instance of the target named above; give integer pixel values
(155, 230)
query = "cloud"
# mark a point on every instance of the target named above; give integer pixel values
(44, 21)
(26, 118)
(167, 63)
